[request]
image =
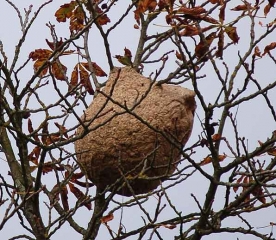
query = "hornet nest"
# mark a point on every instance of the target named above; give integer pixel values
(136, 132)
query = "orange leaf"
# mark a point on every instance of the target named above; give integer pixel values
(65, 11)
(232, 33)
(189, 31)
(74, 78)
(203, 47)
(40, 54)
(77, 175)
(85, 80)
(98, 71)
(209, 19)
(205, 161)
(107, 218)
(36, 151)
(34, 155)
(178, 56)
(269, 47)
(272, 152)
(209, 159)
(38, 64)
(219, 52)
(102, 19)
(96, 68)
(47, 167)
(77, 20)
(79, 195)
(59, 70)
(240, 7)
(54, 45)
(216, 137)
(222, 157)
(222, 13)
(30, 126)
(191, 11)
(143, 6)
(238, 181)
(257, 51)
(267, 9)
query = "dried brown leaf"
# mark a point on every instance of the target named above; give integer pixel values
(216, 137)
(267, 9)
(232, 33)
(64, 198)
(79, 195)
(59, 70)
(238, 181)
(269, 47)
(65, 11)
(222, 13)
(191, 11)
(257, 52)
(219, 52)
(74, 78)
(107, 218)
(209, 159)
(240, 7)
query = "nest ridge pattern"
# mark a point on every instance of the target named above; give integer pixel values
(136, 132)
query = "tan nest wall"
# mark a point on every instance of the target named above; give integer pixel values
(137, 149)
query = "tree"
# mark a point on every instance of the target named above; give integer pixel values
(223, 50)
